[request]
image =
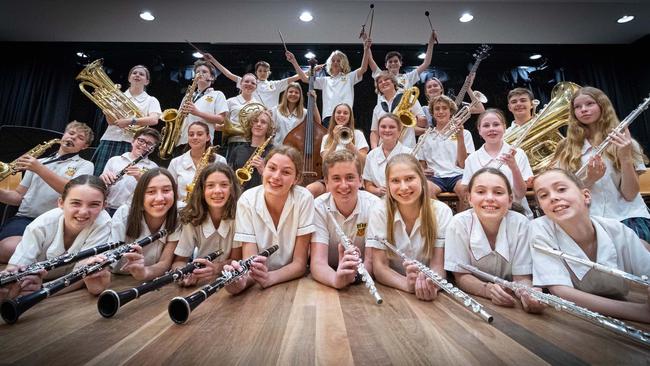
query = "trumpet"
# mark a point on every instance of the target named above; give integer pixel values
(421, 141)
(345, 136)
(206, 158)
(460, 117)
(173, 119)
(7, 169)
(245, 173)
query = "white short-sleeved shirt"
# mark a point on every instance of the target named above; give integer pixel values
(441, 155)
(284, 124)
(513, 126)
(268, 91)
(235, 104)
(336, 90)
(121, 192)
(255, 225)
(213, 102)
(40, 197)
(375, 168)
(404, 81)
(206, 239)
(408, 138)
(466, 243)
(606, 198)
(411, 245)
(43, 239)
(359, 142)
(151, 252)
(145, 103)
(354, 226)
(182, 168)
(617, 247)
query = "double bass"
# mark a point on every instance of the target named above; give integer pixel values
(307, 137)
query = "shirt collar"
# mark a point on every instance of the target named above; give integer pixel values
(207, 227)
(186, 161)
(479, 244)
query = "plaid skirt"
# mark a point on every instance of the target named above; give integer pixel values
(106, 150)
(640, 225)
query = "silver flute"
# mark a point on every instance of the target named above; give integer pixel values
(641, 280)
(361, 269)
(456, 293)
(560, 304)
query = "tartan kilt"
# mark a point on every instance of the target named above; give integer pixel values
(106, 150)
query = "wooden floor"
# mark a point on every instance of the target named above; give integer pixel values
(304, 323)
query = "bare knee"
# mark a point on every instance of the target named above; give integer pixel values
(8, 247)
(316, 188)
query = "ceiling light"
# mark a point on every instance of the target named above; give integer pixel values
(422, 56)
(82, 55)
(145, 15)
(197, 54)
(466, 18)
(625, 19)
(306, 16)
(310, 55)
(536, 56)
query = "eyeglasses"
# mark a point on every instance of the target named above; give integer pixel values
(145, 142)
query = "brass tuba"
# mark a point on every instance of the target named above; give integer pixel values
(107, 95)
(7, 169)
(173, 119)
(403, 110)
(541, 142)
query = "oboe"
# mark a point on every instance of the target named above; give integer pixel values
(12, 309)
(641, 280)
(560, 304)
(458, 295)
(180, 307)
(122, 172)
(109, 302)
(56, 262)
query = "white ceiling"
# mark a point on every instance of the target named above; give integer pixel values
(395, 22)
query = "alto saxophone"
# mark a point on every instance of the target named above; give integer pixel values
(7, 169)
(245, 173)
(205, 160)
(174, 123)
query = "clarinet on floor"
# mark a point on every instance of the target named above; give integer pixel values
(60, 261)
(455, 292)
(12, 309)
(361, 269)
(180, 307)
(109, 302)
(122, 172)
(560, 304)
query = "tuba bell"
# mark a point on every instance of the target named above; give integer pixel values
(403, 110)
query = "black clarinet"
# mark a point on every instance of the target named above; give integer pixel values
(122, 172)
(109, 302)
(56, 262)
(12, 309)
(180, 307)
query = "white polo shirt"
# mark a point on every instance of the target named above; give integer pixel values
(183, 170)
(411, 245)
(354, 226)
(336, 90)
(617, 247)
(375, 168)
(206, 239)
(213, 102)
(255, 225)
(284, 124)
(145, 103)
(359, 142)
(235, 104)
(408, 138)
(40, 197)
(268, 91)
(466, 243)
(121, 192)
(404, 81)
(441, 155)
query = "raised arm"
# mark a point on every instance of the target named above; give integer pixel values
(300, 74)
(208, 57)
(364, 62)
(427, 58)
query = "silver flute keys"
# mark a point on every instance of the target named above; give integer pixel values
(361, 269)
(456, 293)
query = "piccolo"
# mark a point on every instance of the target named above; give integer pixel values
(12, 309)
(180, 307)
(110, 301)
(361, 269)
(641, 280)
(560, 304)
(456, 294)
(122, 172)
(56, 262)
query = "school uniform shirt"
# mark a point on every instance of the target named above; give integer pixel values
(404, 81)
(43, 240)
(336, 90)
(40, 197)
(441, 155)
(235, 104)
(466, 243)
(284, 124)
(606, 198)
(206, 239)
(411, 245)
(354, 226)
(182, 168)
(210, 101)
(375, 168)
(513, 127)
(359, 142)
(268, 91)
(255, 225)
(617, 247)
(145, 103)
(384, 106)
(151, 252)
(121, 192)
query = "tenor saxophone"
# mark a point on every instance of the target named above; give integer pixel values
(7, 169)
(245, 173)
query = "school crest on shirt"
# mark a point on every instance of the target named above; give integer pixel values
(70, 171)
(209, 99)
(361, 229)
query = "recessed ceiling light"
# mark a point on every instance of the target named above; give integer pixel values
(309, 55)
(625, 19)
(145, 15)
(306, 16)
(197, 54)
(466, 17)
(536, 56)
(422, 55)
(82, 55)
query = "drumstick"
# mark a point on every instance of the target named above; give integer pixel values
(363, 27)
(282, 39)
(196, 48)
(431, 25)
(372, 16)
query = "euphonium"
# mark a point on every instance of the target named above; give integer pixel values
(205, 160)
(345, 136)
(173, 119)
(245, 173)
(107, 95)
(10, 168)
(403, 110)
